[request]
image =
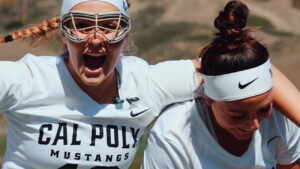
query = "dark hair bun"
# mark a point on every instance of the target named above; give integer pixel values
(234, 17)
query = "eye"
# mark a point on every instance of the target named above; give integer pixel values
(110, 25)
(237, 114)
(83, 26)
(264, 111)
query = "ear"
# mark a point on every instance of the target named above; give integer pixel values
(126, 37)
(63, 37)
(208, 101)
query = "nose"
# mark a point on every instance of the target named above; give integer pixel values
(96, 44)
(96, 41)
(253, 124)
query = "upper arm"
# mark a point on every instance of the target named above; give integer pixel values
(286, 96)
(172, 81)
(12, 80)
(295, 165)
(287, 149)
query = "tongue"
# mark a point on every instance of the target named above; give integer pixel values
(93, 63)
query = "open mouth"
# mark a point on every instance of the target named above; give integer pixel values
(93, 61)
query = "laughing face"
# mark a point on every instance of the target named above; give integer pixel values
(92, 62)
(242, 117)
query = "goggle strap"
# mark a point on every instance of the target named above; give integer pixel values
(96, 23)
(119, 21)
(74, 25)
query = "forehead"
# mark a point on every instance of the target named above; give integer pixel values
(252, 102)
(95, 7)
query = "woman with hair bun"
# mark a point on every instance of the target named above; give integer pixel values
(233, 125)
(89, 107)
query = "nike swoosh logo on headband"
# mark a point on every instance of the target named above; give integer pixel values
(247, 84)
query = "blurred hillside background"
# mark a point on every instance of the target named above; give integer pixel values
(166, 29)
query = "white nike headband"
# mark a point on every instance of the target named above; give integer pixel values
(69, 4)
(239, 85)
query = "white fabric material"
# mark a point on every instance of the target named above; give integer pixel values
(239, 85)
(69, 4)
(53, 123)
(180, 139)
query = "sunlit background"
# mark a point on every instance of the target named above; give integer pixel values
(164, 30)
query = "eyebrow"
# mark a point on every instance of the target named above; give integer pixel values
(267, 107)
(238, 112)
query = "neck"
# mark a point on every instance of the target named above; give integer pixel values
(106, 92)
(226, 140)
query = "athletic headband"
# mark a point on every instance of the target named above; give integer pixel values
(69, 4)
(239, 85)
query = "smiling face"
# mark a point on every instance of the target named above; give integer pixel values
(242, 117)
(93, 61)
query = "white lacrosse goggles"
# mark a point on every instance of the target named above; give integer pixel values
(79, 25)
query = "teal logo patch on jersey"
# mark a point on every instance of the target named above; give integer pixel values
(271, 72)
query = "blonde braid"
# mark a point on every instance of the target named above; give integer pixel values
(38, 31)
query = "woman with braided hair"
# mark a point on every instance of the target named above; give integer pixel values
(233, 125)
(88, 107)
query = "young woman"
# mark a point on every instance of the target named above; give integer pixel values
(89, 107)
(234, 125)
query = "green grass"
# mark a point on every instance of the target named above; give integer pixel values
(14, 24)
(168, 32)
(266, 26)
(264, 0)
(147, 17)
(2, 145)
(296, 3)
(169, 41)
(2, 148)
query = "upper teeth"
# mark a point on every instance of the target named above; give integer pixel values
(95, 54)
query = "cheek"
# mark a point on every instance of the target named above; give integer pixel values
(265, 115)
(117, 47)
(223, 119)
(75, 50)
(73, 47)
(115, 51)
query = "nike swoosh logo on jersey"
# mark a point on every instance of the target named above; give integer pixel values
(272, 139)
(247, 84)
(132, 114)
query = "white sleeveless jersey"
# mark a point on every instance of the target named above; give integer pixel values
(53, 124)
(181, 139)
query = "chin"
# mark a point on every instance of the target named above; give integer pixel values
(92, 81)
(243, 136)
